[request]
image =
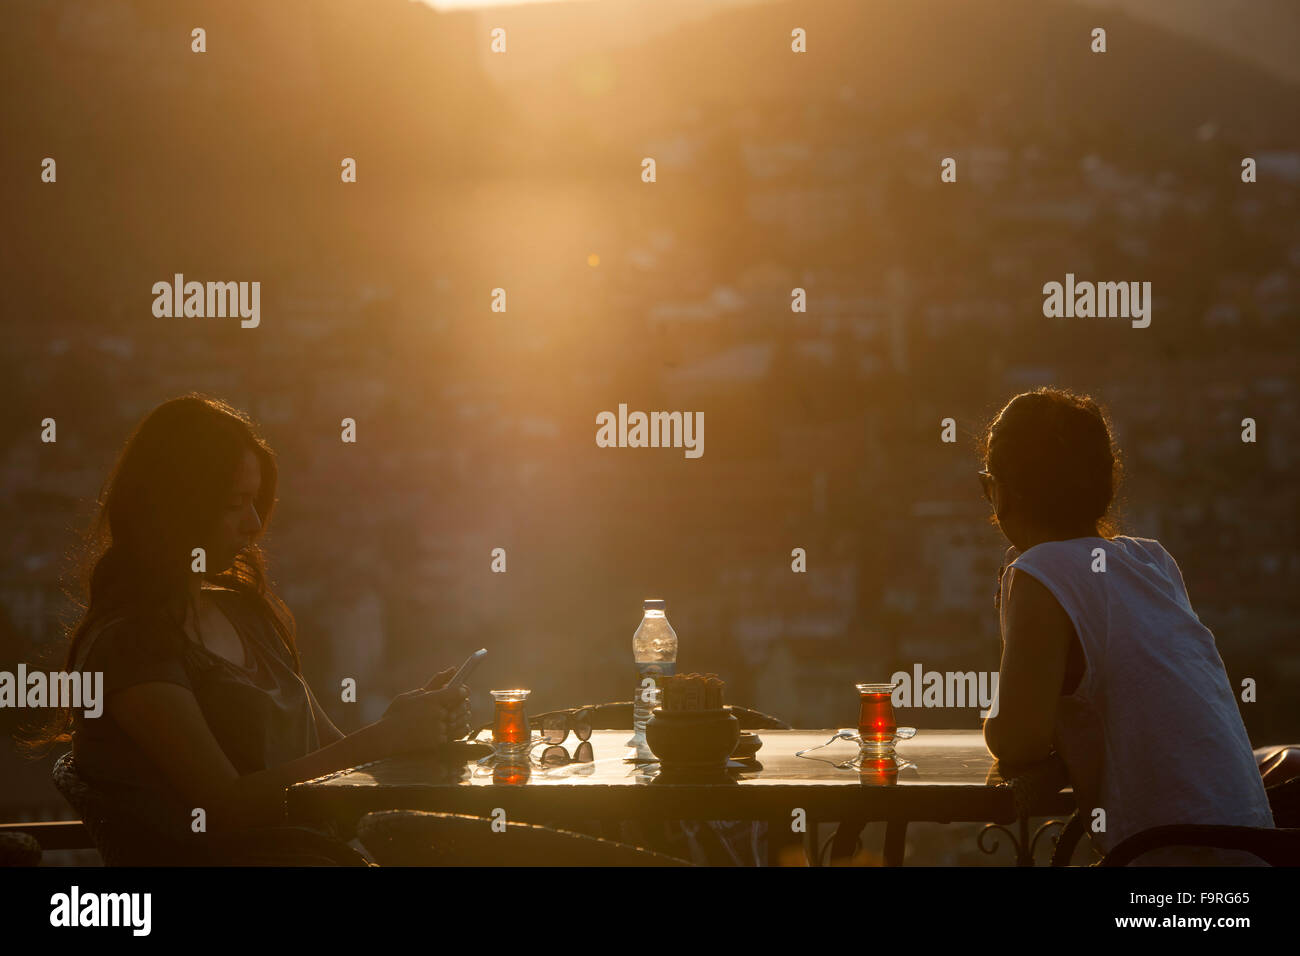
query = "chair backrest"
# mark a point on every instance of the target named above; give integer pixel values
(1278, 764)
(1277, 847)
(281, 846)
(121, 838)
(123, 841)
(19, 849)
(421, 838)
(1284, 801)
(70, 786)
(114, 845)
(617, 715)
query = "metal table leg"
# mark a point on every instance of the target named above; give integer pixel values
(845, 842)
(895, 842)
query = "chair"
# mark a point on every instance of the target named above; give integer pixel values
(19, 849)
(123, 840)
(1283, 800)
(1278, 763)
(117, 846)
(422, 838)
(281, 846)
(1276, 847)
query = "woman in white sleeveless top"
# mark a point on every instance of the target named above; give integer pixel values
(1103, 658)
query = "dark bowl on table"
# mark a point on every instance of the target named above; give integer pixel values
(692, 739)
(747, 747)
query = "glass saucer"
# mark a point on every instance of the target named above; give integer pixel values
(867, 749)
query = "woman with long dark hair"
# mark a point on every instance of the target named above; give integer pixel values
(205, 704)
(1103, 657)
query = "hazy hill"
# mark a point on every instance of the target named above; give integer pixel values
(1027, 60)
(167, 155)
(1265, 32)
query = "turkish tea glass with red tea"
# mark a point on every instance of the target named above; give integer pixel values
(510, 733)
(877, 728)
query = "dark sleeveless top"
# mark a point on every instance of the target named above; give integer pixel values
(261, 716)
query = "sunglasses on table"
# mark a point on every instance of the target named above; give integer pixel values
(554, 755)
(555, 728)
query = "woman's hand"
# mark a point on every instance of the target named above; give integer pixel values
(425, 718)
(455, 700)
(438, 692)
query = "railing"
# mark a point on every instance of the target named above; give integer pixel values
(54, 834)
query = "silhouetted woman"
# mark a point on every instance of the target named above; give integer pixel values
(205, 703)
(1103, 657)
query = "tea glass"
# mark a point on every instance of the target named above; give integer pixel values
(510, 730)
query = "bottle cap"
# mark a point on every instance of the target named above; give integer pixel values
(655, 604)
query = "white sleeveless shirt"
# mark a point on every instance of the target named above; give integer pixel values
(1152, 734)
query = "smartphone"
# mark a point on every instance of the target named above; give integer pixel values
(467, 668)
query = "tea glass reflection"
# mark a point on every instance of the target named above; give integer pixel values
(510, 731)
(510, 772)
(880, 771)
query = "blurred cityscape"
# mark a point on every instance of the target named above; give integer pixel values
(476, 428)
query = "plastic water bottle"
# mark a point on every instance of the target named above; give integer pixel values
(654, 648)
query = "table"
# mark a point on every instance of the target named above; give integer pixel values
(951, 778)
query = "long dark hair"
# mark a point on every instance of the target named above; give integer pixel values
(1055, 452)
(164, 494)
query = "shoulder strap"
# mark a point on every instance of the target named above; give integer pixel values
(93, 634)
